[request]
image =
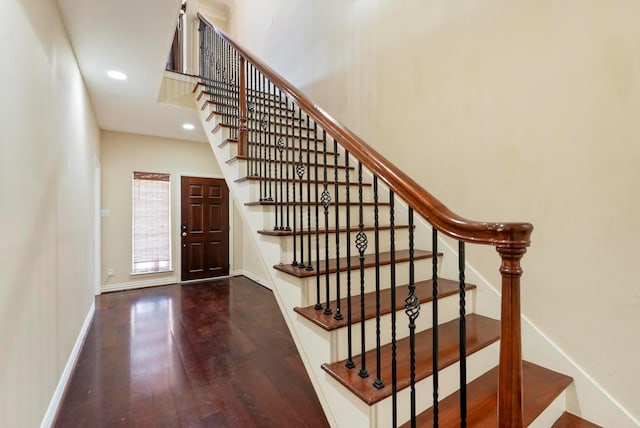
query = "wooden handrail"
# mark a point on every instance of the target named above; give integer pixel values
(423, 203)
(510, 239)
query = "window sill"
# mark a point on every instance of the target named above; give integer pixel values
(151, 273)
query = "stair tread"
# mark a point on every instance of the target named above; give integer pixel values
(272, 146)
(298, 203)
(369, 261)
(296, 180)
(569, 420)
(540, 387)
(285, 134)
(290, 162)
(481, 332)
(446, 287)
(331, 230)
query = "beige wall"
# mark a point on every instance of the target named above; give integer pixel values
(506, 111)
(121, 154)
(48, 140)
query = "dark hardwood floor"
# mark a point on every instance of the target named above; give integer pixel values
(214, 354)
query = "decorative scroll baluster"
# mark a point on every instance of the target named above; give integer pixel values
(434, 324)
(463, 337)
(349, 364)
(318, 306)
(361, 245)
(338, 315)
(412, 309)
(279, 199)
(377, 383)
(264, 158)
(326, 200)
(300, 168)
(394, 362)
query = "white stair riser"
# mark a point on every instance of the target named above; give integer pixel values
(269, 216)
(287, 244)
(448, 309)
(280, 170)
(272, 189)
(308, 285)
(448, 380)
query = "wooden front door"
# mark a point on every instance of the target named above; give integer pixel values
(204, 228)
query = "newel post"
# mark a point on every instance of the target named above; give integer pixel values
(242, 131)
(510, 372)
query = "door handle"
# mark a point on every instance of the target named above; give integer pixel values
(184, 229)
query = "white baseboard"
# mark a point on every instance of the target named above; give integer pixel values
(139, 284)
(50, 415)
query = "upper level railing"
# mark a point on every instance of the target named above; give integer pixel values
(266, 140)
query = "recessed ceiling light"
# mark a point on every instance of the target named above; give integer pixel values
(118, 75)
(188, 126)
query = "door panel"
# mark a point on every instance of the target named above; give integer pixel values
(205, 228)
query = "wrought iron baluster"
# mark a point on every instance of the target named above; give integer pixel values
(293, 186)
(252, 111)
(338, 315)
(266, 128)
(377, 383)
(286, 164)
(326, 200)
(349, 364)
(301, 169)
(318, 306)
(463, 337)
(264, 142)
(394, 358)
(412, 309)
(361, 245)
(280, 148)
(309, 265)
(434, 324)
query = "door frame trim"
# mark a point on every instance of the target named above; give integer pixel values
(178, 236)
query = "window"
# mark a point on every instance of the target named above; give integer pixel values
(151, 222)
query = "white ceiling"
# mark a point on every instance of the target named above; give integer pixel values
(133, 36)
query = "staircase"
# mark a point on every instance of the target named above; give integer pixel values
(368, 268)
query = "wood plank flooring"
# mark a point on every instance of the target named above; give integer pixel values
(214, 354)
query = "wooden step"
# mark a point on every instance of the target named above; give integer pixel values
(569, 420)
(273, 133)
(273, 147)
(330, 182)
(290, 162)
(540, 387)
(298, 203)
(277, 114)
(253, 125)
(481, 332)
(446, 288)
(369, 261)
(331, 230)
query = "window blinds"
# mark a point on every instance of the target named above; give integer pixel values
(151, 222)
